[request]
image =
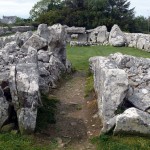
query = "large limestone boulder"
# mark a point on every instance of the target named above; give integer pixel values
(44, 32)
(102, 36)
(57, 45)
(98, 35)
(24, 79)
(133, 121)
(36, 42)
(141, 42)
(82, 37)
(108, 78)
(117, 37)
(21, 38)
(24, 87)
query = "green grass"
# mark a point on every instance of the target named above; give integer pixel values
(105, 142)
(79, 56)
(89, 88)
(10, 141)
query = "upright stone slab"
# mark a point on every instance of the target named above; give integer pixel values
(111, 85)
(24, 86)
(117, 37)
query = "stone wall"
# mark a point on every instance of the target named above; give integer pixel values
(6, 30)
(122, 84)
(30, 64)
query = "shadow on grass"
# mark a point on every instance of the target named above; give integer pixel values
(46, 113)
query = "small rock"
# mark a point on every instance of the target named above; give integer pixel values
(95, 116)
(144, 91)
(73, 123)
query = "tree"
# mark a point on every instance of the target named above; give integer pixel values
(140, 25)
(87, 13)
(118, 12)
(43, 6)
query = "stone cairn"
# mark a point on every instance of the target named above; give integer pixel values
(30, 64)
(122, 84)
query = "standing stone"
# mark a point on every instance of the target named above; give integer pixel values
(44, 32)
(103, 35)
(36, 42)
(140, 43)
(111, 85)
(24, 86)
(117, 37)
(58, 43)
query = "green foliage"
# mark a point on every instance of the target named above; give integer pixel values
(106, 142)
(46, 113)
(140, 25)
(10, 141)
(87, 13)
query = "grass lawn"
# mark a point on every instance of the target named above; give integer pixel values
(79, 57)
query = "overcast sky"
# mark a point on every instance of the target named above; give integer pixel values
(21, 8)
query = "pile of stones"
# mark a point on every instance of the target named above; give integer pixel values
(30, 64)
(122, 84)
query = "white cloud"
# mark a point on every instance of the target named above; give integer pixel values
(141, 7)
(20, 8)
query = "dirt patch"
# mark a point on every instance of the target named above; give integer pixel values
(76, 119)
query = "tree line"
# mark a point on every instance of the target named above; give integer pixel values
(89, 14)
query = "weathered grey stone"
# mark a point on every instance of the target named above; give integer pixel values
(27, 76)
(44, 32)
(76, 43)
(82, 37)
(21, 38)
(117, 37)
(24, 79)
(140, 43)
(43, 56)
(4, 106)
(11, 47)
(111, 85)
(133, 121)
(133, 89)
(103, 35)
(36, 42)
(75, 30)
(141, 99)
(58, 42)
